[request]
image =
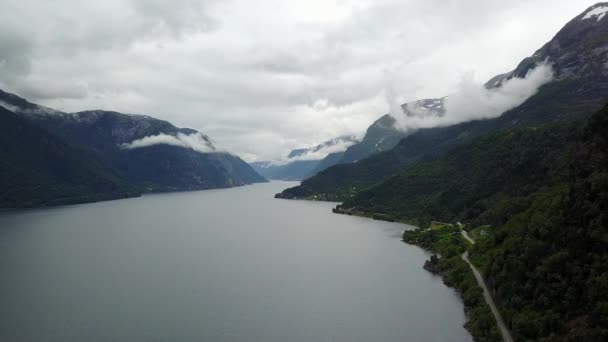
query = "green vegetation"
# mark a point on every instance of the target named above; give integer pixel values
(482, 182)
(52, 158)
(38, 168)
(548, 264)
(562, 101)
(448, 245)
(539, 200)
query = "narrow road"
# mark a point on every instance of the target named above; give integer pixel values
(467, 237)
(504, 331)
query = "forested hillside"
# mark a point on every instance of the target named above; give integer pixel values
(548, 265)
(483, 181)
(541, 196)
(51, 157)
(38, 168)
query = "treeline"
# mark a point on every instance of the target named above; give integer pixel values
(482, 182)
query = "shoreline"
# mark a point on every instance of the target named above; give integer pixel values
(435, 265)
(71, 201)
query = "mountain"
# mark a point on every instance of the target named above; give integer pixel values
(536, 199)
(291, 171)
(547, 265)
(385, 133)
(578, 54)
(474, 179)
(38, 168)
(302, 163)
(146, 153)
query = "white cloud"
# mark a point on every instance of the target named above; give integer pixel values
(317, 154)
(473, 101)
(195, 141)
(263, 77)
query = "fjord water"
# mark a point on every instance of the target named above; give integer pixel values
(220, 265)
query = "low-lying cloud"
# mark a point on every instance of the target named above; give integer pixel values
(313, 69)
(195, 141)
(318, 153)
(473, 101)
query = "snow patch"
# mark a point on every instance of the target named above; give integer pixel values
(598, 12)
(472, 101)
(378, 143)
(319, 152)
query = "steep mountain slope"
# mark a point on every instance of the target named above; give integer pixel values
(38, 168)
(147, 152)
(548, 265)
(474, 179)
(305, 162)
(540, 196)
(327, 162)
(162, 156)
(385, 133)
(578, 54)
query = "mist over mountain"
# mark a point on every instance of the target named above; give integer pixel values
(302, 163)
(578, 86)
(39, 168)
(147, 154)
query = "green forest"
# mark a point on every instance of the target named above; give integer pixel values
(538, 200)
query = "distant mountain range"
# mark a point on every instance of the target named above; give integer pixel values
(306, 162)
(578, 55)
(94, 155)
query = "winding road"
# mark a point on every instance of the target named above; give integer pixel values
(504, 331)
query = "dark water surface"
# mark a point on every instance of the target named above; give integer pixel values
(220, 265)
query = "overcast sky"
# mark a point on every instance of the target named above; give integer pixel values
(262, 77)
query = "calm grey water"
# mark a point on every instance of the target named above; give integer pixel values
(221, 265)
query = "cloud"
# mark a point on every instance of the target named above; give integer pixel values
(473, 101)
(317, 153)
(195, 141)
(15, 49)
(51, 89)
(178, 17)
(263, 77)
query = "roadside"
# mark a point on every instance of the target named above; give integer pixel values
(467, 237)
(455, 268)
(449, 243)
(504, 331)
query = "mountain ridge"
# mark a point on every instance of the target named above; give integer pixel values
(149, 154)
(302, 163)
(40, 169)
(580, 87)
